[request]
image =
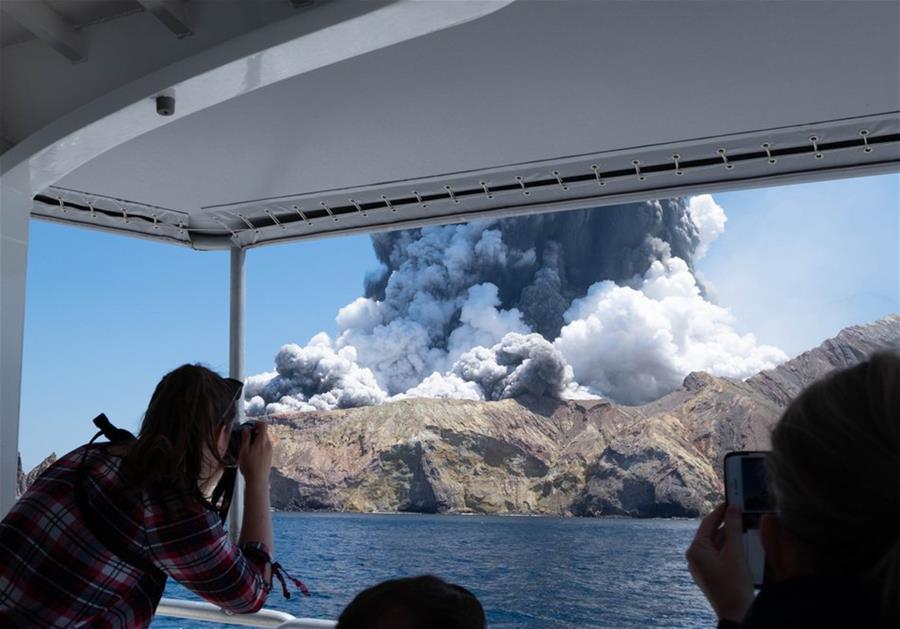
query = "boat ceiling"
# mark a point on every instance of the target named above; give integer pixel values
(541, 105)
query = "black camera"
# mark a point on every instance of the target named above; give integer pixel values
(234, 440)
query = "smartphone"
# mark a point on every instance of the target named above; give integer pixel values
(747, 486)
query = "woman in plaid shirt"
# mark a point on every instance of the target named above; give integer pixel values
(148, 501)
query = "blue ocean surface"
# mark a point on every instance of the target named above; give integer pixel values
(528, 572)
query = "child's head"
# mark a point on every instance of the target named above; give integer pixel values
(424, 602)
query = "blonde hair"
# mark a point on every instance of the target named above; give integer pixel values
(835, 467)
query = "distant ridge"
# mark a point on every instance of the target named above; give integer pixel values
(850, 347)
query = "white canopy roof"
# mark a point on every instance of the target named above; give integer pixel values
(535, 105)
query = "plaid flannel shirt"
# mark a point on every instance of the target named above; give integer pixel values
(55, 573)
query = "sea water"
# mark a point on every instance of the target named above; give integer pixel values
(528, 572)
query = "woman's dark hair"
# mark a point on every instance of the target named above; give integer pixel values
(425, 602)
(178, 431)
(835, 468)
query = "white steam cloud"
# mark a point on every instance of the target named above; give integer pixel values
(710, 220)
(636, 344)
(567, 305)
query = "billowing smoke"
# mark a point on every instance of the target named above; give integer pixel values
(539, 263)
(313, 377)
(570, 304)
(519, 364)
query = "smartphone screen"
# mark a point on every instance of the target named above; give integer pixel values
(755, 485)
(747, 486)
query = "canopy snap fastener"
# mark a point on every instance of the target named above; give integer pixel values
(865, 136)
(217, 219)
(249, 224)
(559, 180)
(815, 139)
(637, 169)
(272, 216)
(452, 196)
(678, 170)
(768, 149)
(358, 208)
(330, 213)
(303, 217)
(387, 203)
(487, 191)
(724, 157)
(597, 175)
(521, 181)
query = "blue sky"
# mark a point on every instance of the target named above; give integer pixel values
(797, 264)
(106, 316)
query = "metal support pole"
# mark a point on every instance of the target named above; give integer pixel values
(236, 370)
(15, 206)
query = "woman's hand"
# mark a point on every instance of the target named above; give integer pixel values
(255, 462)
(717, 564)
(255, 459)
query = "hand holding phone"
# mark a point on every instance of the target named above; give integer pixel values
(717, 565)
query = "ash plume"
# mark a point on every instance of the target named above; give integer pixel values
(519, 364)
(539, 262)
(569, 304)
(315, 377)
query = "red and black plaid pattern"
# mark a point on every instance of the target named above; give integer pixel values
(55, 573)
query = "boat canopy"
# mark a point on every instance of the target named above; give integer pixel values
(537, 105)
(298, 120)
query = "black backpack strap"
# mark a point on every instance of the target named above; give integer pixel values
(115, 435)
(89, 515)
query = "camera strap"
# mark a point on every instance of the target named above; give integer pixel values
(224, 491)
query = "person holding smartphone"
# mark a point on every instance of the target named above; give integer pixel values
(93, 540)
(833, 541)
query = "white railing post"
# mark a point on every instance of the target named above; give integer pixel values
(236, 370)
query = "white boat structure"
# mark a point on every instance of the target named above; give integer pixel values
(234, 125)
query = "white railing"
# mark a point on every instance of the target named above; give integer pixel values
(196, 610)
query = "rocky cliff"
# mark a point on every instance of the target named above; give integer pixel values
(20, 477)
(545, 456)
(23, 482)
